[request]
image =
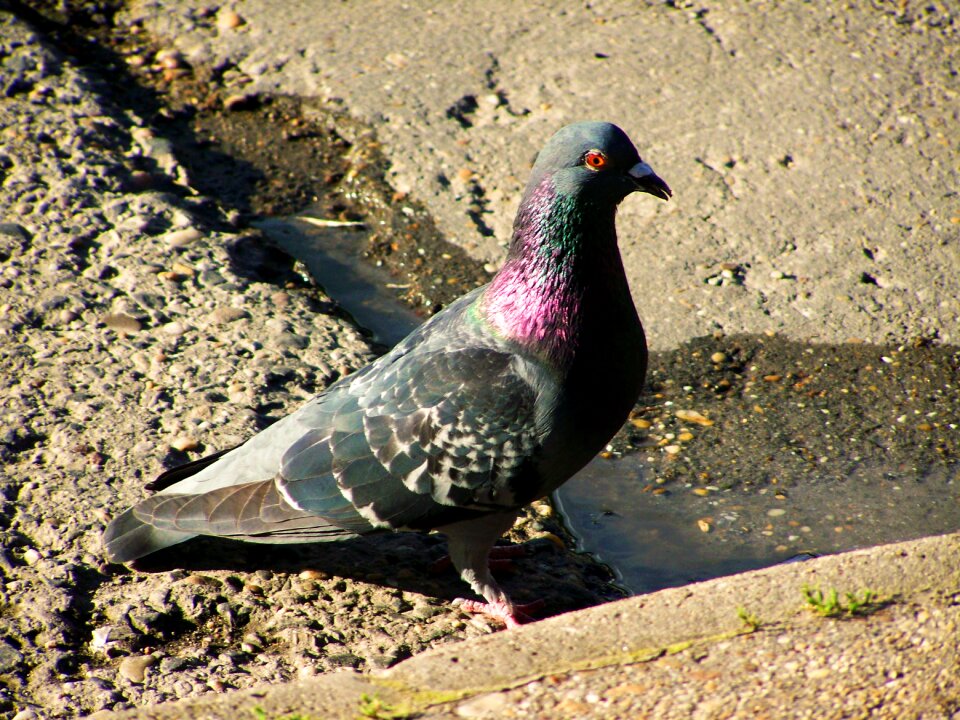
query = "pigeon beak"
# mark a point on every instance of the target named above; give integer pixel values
(648, 181)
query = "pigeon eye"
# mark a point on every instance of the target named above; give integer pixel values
(595, 159)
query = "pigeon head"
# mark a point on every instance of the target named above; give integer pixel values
(596, 162)
(563, 271)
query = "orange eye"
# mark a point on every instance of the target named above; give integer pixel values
(595, 159)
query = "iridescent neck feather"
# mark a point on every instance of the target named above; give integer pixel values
(537, 298)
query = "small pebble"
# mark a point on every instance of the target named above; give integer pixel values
(544, 509)
(170, 59)
(181, 238)
(491, 705)
(776, 512)
(32, 556)
(141, 180)
(184, 443)
(225, 314)
(241, 101)
(202, 580)
(134, 668)
(718, 357)
(694, 417)
(313, 575)
(704, 525)
(171, 275)
(122, 323)
(171, 74)
(229, 20)
(175, 328)
(397, 60)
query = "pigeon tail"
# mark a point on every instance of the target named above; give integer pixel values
(128, 538)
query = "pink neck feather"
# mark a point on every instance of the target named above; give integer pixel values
(528, 303)
(536, 298)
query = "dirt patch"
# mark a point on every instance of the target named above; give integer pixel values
(768, 410)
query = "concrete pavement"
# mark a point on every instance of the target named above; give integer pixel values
(812, 150)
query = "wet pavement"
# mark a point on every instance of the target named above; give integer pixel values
(676, 538)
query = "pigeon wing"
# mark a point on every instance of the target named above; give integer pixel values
(433, 438)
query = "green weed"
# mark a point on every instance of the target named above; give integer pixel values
(830, 604)
(750, 620)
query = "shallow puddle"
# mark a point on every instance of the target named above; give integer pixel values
(333, 256)
(654, 541)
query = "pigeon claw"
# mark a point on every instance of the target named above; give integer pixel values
(513, 616)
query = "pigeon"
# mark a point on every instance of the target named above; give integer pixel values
(492, 403)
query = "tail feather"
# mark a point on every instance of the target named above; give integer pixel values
(255, 512)
(128, 538)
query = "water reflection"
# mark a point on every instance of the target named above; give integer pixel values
(333, 256)
(677, 537)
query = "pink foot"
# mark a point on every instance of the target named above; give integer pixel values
(511, 616)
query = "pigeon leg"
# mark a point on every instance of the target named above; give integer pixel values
(500, 558)
(470, 543)
(513, 616)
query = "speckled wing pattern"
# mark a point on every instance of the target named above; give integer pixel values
(431, 438)
(416, 440)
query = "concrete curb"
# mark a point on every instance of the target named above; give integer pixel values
(612, 635)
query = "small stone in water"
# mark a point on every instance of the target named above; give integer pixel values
(694, 417)
(718, 357)
(704, 525)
